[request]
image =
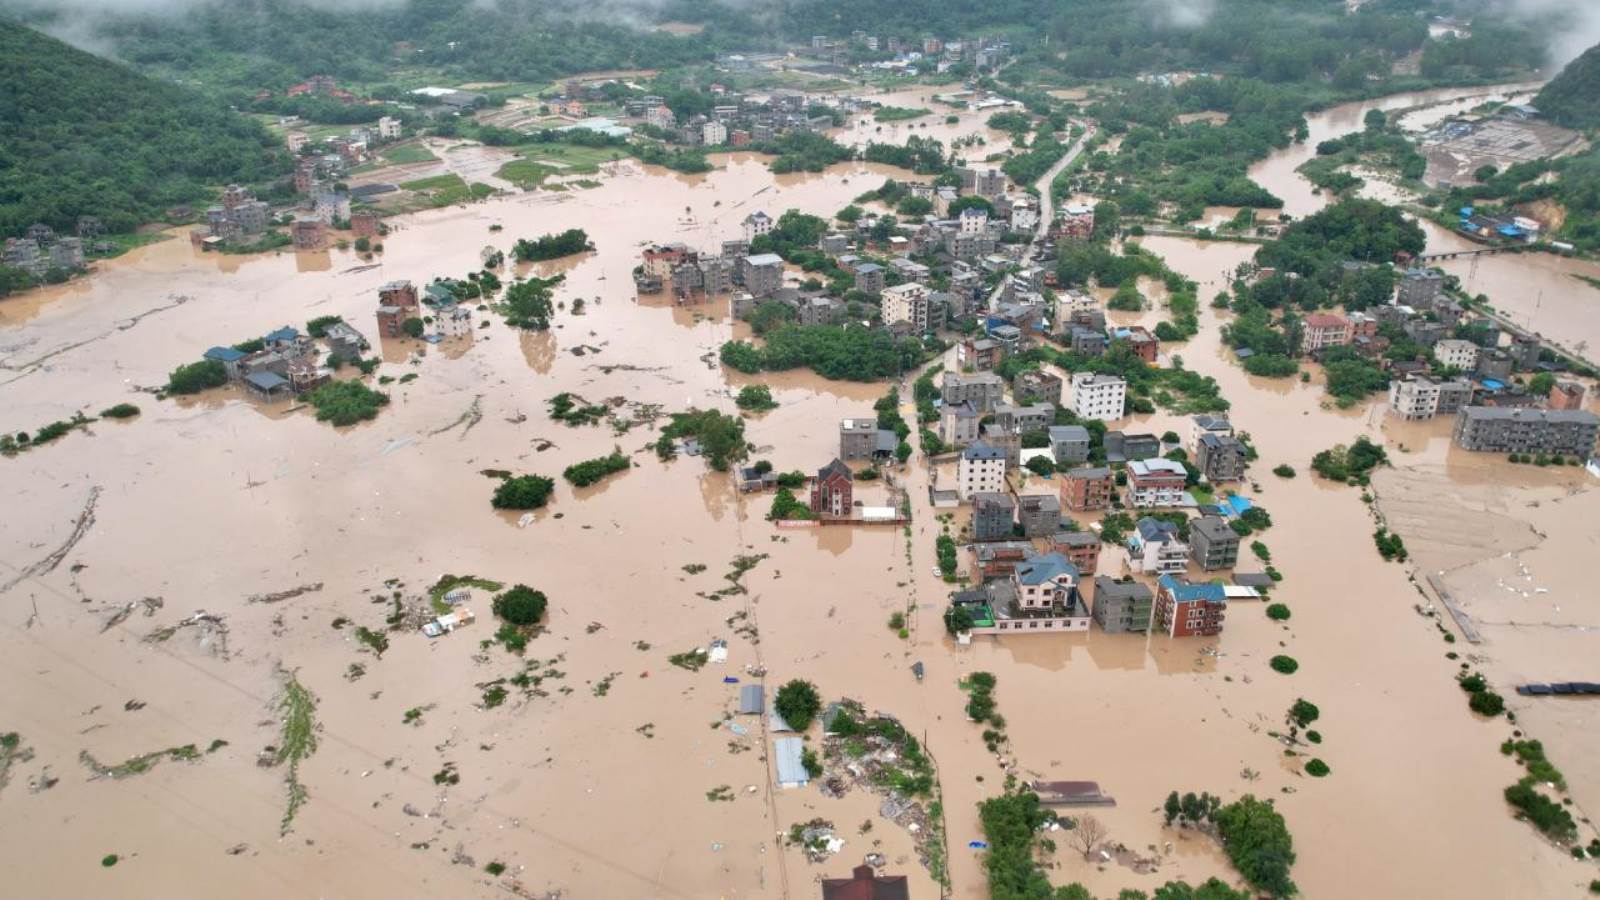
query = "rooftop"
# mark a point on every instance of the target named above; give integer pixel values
(224, 354)
(1214, 528)
(764, 259)
(981, 451)
(1048, 567)
(1184, 592)
(1105, 586)
(1157, 530)
(1518, 413)
(1157, 467)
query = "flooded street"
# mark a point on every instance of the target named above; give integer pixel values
(598, 781)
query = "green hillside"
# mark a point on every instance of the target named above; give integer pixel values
(1573, 97)
(86, 136)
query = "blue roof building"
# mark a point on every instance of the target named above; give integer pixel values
(224, 354)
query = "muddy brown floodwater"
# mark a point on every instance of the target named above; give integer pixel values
(602, 791)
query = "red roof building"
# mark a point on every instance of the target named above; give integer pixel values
(1325, 330)
(864, 885)
(831, 490)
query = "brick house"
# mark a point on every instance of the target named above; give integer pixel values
(1155, 482)
(998, 559)
(1087, 488)
(1324, 330)
(831, 490)
(397, 302)
(1184, 609)
(1081, 548)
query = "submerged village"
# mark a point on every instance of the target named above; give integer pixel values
(841, 471)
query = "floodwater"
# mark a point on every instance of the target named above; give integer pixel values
(603, 793)
(1538, 291)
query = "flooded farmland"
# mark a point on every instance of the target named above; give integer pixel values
(598, 782)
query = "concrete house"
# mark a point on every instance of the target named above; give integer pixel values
(831, 491)
(755, 225)
(1213, 543)
(1155, 482)
(1047, 598)
(998, 559)
(1037, 386)
(984, 390)
(1206, 423)
(1098, 396)
(762, 274)
(1122, 606)
(912, 303)
(982, 469)
(869, 279)
(1184, 610)
(1087, 488)
(1020, 419)
(1321, 330)
(1521, 430)
(1221, 458)
(1039, 515)
(1155, 548)
(1456, 354)
(1081, 548)
(993, 515)
(958, 423)
(1069, 444)
(1121, 446)
(858, 438)
(230, 359)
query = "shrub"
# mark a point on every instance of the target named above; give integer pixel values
(798, 703)
(120, 411)
(1284, 664)
(1277, 612)
(755, 397)
(1314, 736)
(590, 471)
(1316, 768)
(1487, 703)
(346, 402)
(1283, 470)
(1304, 712)
(522, 605)
(495, 868)
(196, 377)
(1547, 815)
(523, 492)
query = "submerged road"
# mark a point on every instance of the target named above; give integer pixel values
(1046, 203)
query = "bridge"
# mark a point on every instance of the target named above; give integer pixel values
(1463, 254)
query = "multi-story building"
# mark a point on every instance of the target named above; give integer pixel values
(998, 559)
(831, 490)
(1126, 446)
(1098, 396)
(1035, 385)
(1414, 398)
(1566, 395)
(982, 469)
(397, 302)
(958, 423)
(1456, 354)
(1039, 515)
(1321, 330)
(713, 134)
(1021, 419)
(1155, 547)
(1087, 488)
(984, 390)
(1202, 425)
(1419, 288)
(1081, 548)
(1122, 606)
(1155, 482)
(1139, 341)
(756, 224)
(1522, 430)
(993, 515)
(1086, 341)
(1221, 458)
(762, 274)
(989, 183)
(869, 279)
(1213, 543)
(388, 128)
(1004, 438)
(307, 232)
(858, 438)
(1046, 594)
(913, 303)
(1184, 609)
(1069, 444)
(1076, 221)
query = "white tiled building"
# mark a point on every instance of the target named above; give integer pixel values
(756, 224)
(1098, 396)
(1456, 354)
(982, 470)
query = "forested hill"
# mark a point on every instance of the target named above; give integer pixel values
(80, 135)
(1573, 97)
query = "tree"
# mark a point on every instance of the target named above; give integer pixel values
(755, 397)
(1172, 808)
(1088, 835)
(1257, 840)
(1041, 465)
(798, 703)
(1303, 713)
(523, 492)
(1541, 384)
(347, 402)
(522, 605)
(721, 436)
(527, 303)
(196, 377)
(412, 327)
